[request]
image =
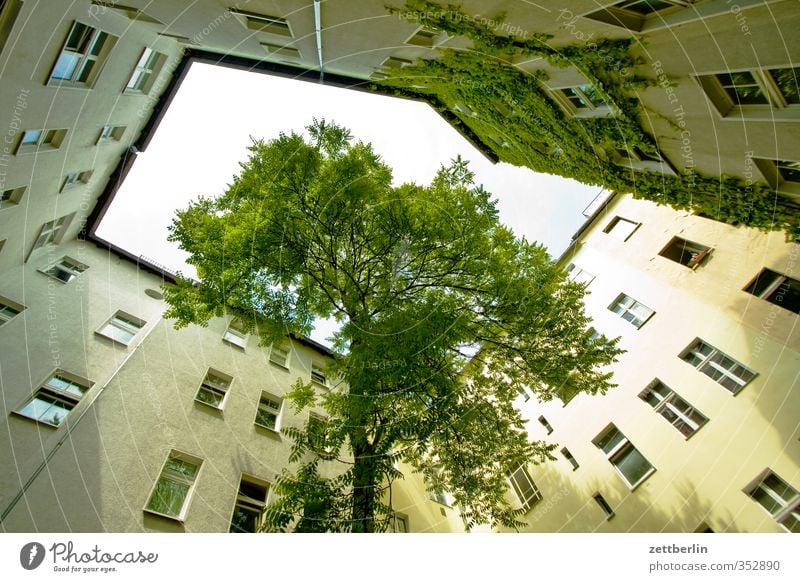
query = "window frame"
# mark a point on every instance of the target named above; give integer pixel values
(605, 507)
(145, 74)
(707, 361)
(7, 306)
(611, 227)
(84, 57)
(213, 388)
(186, 458)
(601, 106)
(46, 140)
(11, 197)
(529, 502)
(67, 265)
(124, 322)
(263, 23)
(234, 336)
(578, 275)
(672, 403)
(56, 395)
(285, 364)
(619, 302)
(698, 251)
(401, 518)
(788, 508)
(75, 180)
(267, 396)
(619, 449)
(318, 375)
(250, 503)
(776, 108)
(565, 452)
(110, 134)
(770, 292)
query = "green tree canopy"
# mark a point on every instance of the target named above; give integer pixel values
(445, 317)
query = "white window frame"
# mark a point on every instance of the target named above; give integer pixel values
(601, 107)
(121, 322)
(621, 233)
(234, 336)
(93, 51)
(277, 412)
(670, 404)
(526, 502)
(217, 383)
(53, 389)
(9, 310)
(620, 448)
(626, 305)
(145, 72)
(770, 168)
(776, 108)
(318, 374)
(788, 508)
(64, 270)
(279, 357)
(708, 362)
(578, 275)
(250, 503)
(11, 197)
(176, 478)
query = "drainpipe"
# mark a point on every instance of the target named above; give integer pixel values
(318, 30)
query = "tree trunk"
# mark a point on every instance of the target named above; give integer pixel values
(364, 487)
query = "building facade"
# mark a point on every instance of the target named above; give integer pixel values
(701, 433)
(106, 406)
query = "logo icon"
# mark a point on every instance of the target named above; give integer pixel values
(31, 555)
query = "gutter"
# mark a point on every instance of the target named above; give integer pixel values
(318, 32)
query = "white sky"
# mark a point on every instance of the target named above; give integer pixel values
(205, 133)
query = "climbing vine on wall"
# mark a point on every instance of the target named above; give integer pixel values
(511, 113)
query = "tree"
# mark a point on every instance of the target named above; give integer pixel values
(445, 317)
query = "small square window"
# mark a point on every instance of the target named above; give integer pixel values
(10, 198)
(110, 133)
(235, 336)
(758, 94)
(40, 140)
(396, 63)
(686, 419)
(601, 501)
(9, 310)
(718, 366)
(778, 498)
(776, 288)
(424, 37)
(173, 489)
(318, 374)
(268, 414)
(82, 56)
(65, 269)
(568, 456)
(629, 463)
(582, 101)
(55, 398)
(578, 275)
(251, 501)
(146, 71)
(524, 488)
(685, 252)
(53, 231)
(621, 228)
(631, 310)
(545, 424)
(214, 389)
(279, 356)
(121, 328)
(74, 179)
(288, 52)
(262, 22)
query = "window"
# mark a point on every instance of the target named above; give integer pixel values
(718, 366)
(318, 433)
(568, 456)
(781, 500)
(640, 15)
(129, 11)
(52, 231)
(214, 389)
(145, 72)
(318, 374)
(171, 494)
(74, 179)
(578, 275)
(40, 140)
(65, 269)
(279, 356)
(9, 198)
(55, 398)
(637, 159)
(9, 10)
(424, 37)
(262, 23)
(268, 414)
(601, 501)
(399, 523)
(443, 498)
(121, 328)
(769, 93)
(288, 52)
(235, 336)
(687, 253)
(110, 133)
(782, 175)
(621, 228)
(626, 459)
(675, 409)
(524, 488)
(631, 310)
(9, 310)
(82, 56)
(251, 500)
(776, 288)
(582, 101)
(543, 421)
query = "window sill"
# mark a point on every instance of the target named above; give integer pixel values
(153, 513)
(112, 340)
(635, 486)
(233, 344)
(35, 420)
(281, 366)
(210, 407)
(268, 431)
